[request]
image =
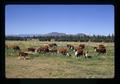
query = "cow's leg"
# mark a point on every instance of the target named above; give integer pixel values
(76, 53)
(68, 54)
(86, 55)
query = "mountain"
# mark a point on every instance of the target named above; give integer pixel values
(48, 34)
(55, 34)
(81, 34)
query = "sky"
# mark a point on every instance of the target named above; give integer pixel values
(69, 19)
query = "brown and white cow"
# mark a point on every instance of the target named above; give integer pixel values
(43, 49)
(100, 49)
(63, 51)
(80, 52)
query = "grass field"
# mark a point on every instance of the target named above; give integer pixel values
(51, 65)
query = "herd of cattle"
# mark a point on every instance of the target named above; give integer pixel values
(78, 50)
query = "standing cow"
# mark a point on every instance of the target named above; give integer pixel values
(14, 47)
(63, 51)
(100, 49)
(81, 52)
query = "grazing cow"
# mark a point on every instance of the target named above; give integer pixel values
(15, 47)
(43, 49)
(70, 46)
(100, 49)
(63, 51)
(31, 49)
(23, 55)
(80, 51)
(82, 46)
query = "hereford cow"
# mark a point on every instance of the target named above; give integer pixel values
(23, 55)
(43, 49)
(63, 51)
(81, 52)
(100, 49)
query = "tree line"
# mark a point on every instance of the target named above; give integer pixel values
(85, 38)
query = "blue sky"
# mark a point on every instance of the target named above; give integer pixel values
(71, 19)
